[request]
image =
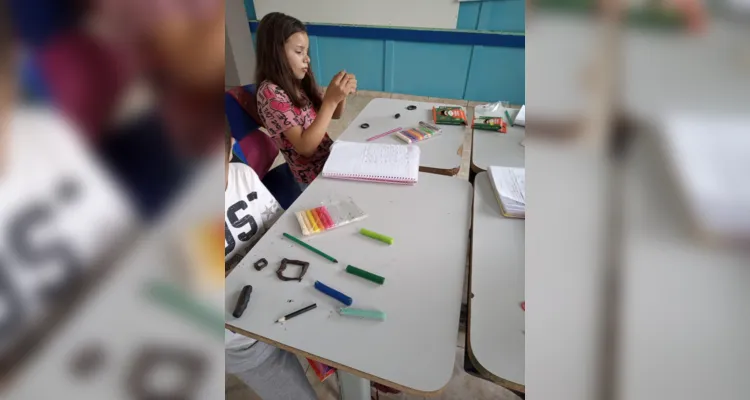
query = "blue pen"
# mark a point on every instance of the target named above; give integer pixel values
(333, 293)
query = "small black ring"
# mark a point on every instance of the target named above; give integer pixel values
(411, 107)
(365, 125)
(260, 264)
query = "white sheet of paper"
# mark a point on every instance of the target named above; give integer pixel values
(520, 117)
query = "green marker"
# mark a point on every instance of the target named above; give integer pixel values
(364, 274)
(376, 236)
(359, 313)
(307, 246)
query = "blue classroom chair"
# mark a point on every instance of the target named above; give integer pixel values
(255, 148)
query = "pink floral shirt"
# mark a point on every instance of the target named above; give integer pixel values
(279, 114)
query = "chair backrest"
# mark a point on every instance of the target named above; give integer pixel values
(242, 113)
(241, 107)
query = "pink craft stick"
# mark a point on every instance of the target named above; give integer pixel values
(384, 134)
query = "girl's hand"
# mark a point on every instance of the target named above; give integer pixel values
(338, 89)
(352, 84)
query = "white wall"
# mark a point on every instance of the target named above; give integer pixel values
(441, 14)
(231, 78)
(240, 54)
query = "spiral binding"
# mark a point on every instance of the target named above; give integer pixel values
(370, 178)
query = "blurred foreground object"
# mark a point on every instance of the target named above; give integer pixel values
(84, 79)
(683, 318)
(675, 304)
(89, 53)
(179, 47)
(84, 76)
(77, 306)
(151, 330)
(665, 14)
(711, 171)
(62, 217)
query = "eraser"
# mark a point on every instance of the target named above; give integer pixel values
(359, 313)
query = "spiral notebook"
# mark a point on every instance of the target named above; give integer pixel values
(373, 162)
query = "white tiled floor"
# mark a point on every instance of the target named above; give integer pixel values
(462, 386)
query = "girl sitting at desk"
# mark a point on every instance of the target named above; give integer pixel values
(289, 101)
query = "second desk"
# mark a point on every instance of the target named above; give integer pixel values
(496, 337)
(495, 148)
(439, 155)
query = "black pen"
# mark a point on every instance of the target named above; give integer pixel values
(296, 313)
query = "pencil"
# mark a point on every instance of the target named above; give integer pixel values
(307, 246)
(296, 313)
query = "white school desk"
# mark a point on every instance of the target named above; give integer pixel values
(495, 148)
(414, 348)
(439, 155)
(496, 320)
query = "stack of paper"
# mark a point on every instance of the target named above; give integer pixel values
(510, 190)
(712, 164)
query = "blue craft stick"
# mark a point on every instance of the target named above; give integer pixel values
(333, 293)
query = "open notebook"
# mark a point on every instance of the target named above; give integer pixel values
(374, 162)
(710, 161)
(510, 190)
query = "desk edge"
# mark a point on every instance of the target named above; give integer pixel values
(492, 377)
(336, 365)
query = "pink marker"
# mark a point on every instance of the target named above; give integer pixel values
(384, 134)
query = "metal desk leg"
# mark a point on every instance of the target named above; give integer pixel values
(353, 387)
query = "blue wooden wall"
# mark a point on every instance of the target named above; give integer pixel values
(492, 15)
(448, 64)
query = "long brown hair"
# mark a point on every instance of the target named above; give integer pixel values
(273, 31)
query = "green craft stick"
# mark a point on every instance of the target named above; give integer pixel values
(356, 312)
(376, 236)
(364, 274)
(307, 246)
(507, 115)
